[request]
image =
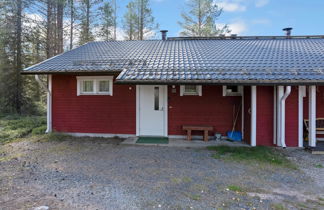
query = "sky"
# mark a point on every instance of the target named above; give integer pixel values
(247, 17)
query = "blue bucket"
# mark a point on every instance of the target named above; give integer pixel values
(234, 135)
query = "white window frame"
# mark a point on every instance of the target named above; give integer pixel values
(198, 91)
(96, 80)
(229, 93)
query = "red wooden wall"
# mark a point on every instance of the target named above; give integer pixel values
(264, 129)
(92, 114)
(212, 108)
(117, 114)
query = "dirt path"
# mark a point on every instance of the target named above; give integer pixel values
(101, 174)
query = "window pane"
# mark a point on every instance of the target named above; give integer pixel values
(104, 86)
(87, 86)
(190, 89)
(232, 89)
(156, 98)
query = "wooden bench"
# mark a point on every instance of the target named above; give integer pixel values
(319, 125)
(190, 128)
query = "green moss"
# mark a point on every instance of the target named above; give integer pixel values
(260, 154)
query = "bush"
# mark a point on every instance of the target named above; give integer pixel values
(39, 130)
(15, 126)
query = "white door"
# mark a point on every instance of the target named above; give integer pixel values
(152, 110)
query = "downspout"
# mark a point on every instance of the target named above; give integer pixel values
(49, 100)
(282, 115)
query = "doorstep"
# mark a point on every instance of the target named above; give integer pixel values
(174, 142)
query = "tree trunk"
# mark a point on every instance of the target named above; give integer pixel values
(49, 30)
(141, 19)
(59, 30)
(115, 19)
(72, 23)
(88, 21)
(18, 63)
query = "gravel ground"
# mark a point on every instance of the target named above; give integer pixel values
(87, 173)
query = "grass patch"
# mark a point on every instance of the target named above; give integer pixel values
(53, 136)
(235, 188)
(277, 206)
(15, 126)
(318, 166)
(265, 155)
(194, 197)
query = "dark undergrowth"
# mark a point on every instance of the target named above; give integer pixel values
(260, 155)
(17, 126)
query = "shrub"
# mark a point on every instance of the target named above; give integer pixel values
(39, 130)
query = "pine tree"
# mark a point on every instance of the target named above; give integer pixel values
(145, 18)
(129, 21)
(87, 22)
(107, 25)
(201, 18)
(138, 20)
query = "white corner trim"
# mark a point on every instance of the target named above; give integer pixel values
(138, 110)
(253, 115)
(280, 93)
(301, 95)
(166, 110)
(312, 116)
(49, 105)
(96, 80)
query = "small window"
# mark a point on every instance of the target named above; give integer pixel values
(94, 85)
(103, 86)
(156, 98)
(232, 90)
(190, 90)
(87, 86)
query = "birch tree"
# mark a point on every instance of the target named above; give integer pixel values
(200, 20)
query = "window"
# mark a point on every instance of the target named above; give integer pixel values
(103, 86)
(232, 90)
(87, 86)
(190, 90)
(156, 98)
(94, 85)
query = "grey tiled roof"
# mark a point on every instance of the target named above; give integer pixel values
(289, 60)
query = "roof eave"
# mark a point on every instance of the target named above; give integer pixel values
(70, 72)
(222, 82)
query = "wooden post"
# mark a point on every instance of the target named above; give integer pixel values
(312, 116)
(301, 95)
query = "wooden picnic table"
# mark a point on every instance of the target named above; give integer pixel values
(204, 128)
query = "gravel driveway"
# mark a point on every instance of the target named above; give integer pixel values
(85, 173)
